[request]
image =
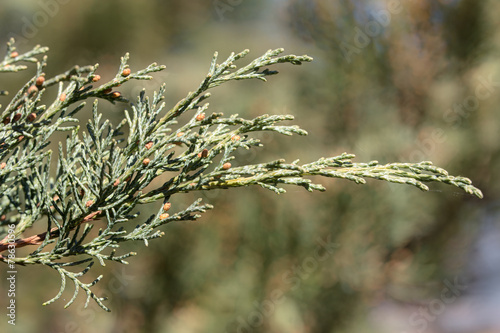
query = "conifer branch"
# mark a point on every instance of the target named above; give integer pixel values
(102, 171)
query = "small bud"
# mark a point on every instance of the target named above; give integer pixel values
(82, 192)
(31, 117)
(115, 94)
(96, 78)
(226, 166)
(107, 91)
(117, 182)
(149, 145)
(62, 98)
(178, 143)
(14, 54)
(32, 90)
(89, 203)
(16, 117)
(164, 216)
(146, 161)
(200, 117)
(126, 72)
(204, 153)
(55, 197)
(167, 206)
(21, 137)
(6, 120)
(235, 137)
(3, 165)
(39, 81)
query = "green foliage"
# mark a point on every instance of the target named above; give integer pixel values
(103, 172)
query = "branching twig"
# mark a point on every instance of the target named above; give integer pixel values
(103, 173)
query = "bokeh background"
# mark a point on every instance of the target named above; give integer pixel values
(392, 80)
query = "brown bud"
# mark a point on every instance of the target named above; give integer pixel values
(117, 182)
(32, 90)
(91, 216)
(116, 94)
(164, 216)
(89, 203)
(226, 166)
(235, 137)
(126, 72)
(178, 143)
(21, 137)
(3, 165)
(14, 54)
(6, 120)
(149, 145)
(39, 81)
(62, 98)
(96, 78)
(31, 117)
(146, 161)
(200, 117)
(167, 206)
(107, 91)
(16, 117)
(204, 153)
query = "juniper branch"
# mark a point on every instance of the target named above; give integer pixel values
(102, 173)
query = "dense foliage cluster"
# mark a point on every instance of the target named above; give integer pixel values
(102, 172)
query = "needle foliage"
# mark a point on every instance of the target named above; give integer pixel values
(103, 169)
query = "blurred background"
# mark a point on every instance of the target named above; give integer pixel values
(391, 80)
